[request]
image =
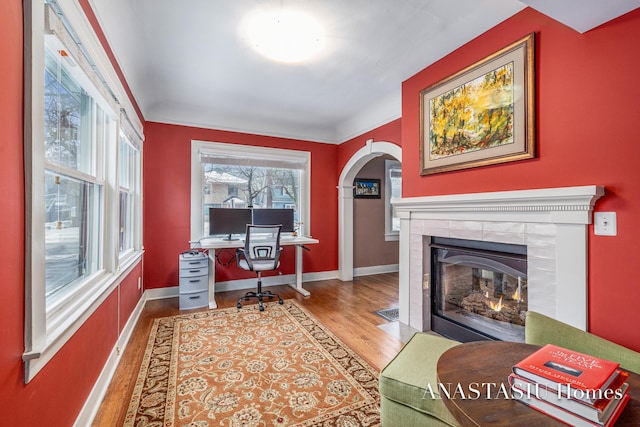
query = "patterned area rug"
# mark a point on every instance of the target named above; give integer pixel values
(233, 367)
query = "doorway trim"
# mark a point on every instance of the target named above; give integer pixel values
(345, 199)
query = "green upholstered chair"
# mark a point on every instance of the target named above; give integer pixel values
(541, 330)
(403, 401)
(404, 380)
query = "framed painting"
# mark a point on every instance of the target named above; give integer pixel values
(366, 188)
(482, 115)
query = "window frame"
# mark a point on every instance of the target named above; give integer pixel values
(50, 324)
(389, 234)
(133, 190)
(97, 126)
(198, 148)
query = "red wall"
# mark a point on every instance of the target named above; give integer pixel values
(588, 109)
(167, 183)
(389, 132)
(12, 189)
(56, 395)
(130, 294)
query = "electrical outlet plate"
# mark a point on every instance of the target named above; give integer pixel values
(605, 224)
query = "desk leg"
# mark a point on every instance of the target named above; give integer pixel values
(298, 285)
(212, 279)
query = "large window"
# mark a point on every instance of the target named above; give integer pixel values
(233, 176)
(82, 168)
(393, 190)
(238, 185)
(129, 180)
(76, 129)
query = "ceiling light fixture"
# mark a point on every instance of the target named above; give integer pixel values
(284, 35)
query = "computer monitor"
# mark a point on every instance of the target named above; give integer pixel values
(275, 216)
(228, 221)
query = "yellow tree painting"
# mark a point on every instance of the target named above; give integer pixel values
(474, 116)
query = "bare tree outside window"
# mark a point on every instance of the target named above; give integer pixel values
(229, 185)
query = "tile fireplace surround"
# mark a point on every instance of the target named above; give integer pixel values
(551, 222)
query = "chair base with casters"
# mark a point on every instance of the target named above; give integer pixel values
(259, 294)
(261, 253)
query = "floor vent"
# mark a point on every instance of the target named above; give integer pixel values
(391, 314)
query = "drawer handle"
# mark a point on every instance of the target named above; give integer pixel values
(194, 271)
(196, 297)
(194, 281)
(194, 262)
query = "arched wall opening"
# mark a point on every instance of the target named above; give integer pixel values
(345, 200)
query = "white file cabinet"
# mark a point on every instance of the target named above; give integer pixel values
(194, 282)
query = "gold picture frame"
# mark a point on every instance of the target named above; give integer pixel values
(482, 115)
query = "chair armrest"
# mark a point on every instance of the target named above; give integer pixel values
(241, 255)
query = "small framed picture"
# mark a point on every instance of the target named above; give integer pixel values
(366, 188)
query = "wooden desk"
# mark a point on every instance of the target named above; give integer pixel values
(213, 244)
(490, 362)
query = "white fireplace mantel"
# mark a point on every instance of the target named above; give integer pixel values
(567, 205)
(551, 222)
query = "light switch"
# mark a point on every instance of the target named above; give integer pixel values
(605, 224)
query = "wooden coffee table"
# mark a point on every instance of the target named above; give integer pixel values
(485, 366)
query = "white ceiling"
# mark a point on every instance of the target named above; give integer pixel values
(186, 62)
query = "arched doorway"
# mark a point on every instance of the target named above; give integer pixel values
(345, 200)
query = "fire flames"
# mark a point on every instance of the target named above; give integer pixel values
(496, 306)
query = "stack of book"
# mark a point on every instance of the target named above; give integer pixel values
(575, 388)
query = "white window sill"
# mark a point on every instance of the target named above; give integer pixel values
(68, 321)
(392, 237)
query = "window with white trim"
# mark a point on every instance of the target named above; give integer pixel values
(393, 190)
(76, 187)
(262, 177)
(129, 175)
(76, 128)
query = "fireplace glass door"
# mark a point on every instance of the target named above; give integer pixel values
(479, 290)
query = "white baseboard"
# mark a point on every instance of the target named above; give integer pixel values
(162, 293)
(234, 285)
(285, 279)
(321, 275)
(92, 404)
(376, 269)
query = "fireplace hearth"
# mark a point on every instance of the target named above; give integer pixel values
(479, 289)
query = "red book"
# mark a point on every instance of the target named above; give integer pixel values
(574, 374)
(599, 412)
(569, 417)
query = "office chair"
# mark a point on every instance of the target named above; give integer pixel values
(261, 252)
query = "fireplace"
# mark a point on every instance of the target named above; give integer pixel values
(552, 223)
(479, 289)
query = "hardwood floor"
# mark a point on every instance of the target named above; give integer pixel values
(346, 308)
